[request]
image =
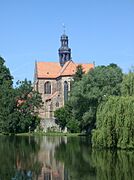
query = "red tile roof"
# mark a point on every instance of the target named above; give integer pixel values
(69, 68)
(54, 70)
(47, 69)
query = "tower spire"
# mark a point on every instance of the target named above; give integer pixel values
(64, 50)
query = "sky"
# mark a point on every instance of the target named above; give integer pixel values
(98, 30)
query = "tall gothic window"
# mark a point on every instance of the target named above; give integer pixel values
(47, 88)
(65, 91)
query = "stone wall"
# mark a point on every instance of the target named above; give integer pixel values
(57, 85)
(48, 124)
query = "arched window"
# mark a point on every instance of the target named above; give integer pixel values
(65, 91)
(47, 88)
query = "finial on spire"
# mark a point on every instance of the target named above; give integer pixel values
(64, 28)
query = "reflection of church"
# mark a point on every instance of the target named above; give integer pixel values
(52, 79)
(52, 169)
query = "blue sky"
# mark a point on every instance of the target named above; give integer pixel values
(98, 30)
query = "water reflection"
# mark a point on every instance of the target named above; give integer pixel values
(18, 158)
(52, 169)
(83, 163)
(76, 155)
(61, 158)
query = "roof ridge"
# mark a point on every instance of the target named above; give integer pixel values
(66, 65)
(54, 70)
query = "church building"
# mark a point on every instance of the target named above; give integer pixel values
(52, 79)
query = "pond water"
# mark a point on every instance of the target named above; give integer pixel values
(61, 158)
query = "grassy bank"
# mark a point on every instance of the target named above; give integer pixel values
(50, 134)
(44, 134)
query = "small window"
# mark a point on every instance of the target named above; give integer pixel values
(47, 88)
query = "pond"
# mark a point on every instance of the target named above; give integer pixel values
(61, 158)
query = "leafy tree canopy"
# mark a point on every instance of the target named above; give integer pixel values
(115, 123)
(127, 88)
(18, 106)
(87, 93)
(115, 118)
(79, 73)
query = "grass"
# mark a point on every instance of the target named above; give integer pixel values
(58, 134)
(51, 134)
(46, 134)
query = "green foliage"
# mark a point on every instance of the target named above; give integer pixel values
(79, 73)
(60, 115)
(128, 84)
(94, 88)
(73, 126)
(5, 76)
(18, 106)
(6, 95)
(115, 118)
(64, 119)
(88, 92)
(115, 124)
(25, 115)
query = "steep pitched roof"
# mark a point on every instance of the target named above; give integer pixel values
(54, 70)
(47, 69)
(68, 69)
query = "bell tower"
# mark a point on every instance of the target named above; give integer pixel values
(64, 50)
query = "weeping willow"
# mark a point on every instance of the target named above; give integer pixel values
(115, 124)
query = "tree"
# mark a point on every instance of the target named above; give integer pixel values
(115, 118)
(6, 95)
(64, 118)
(86, 95)
(127, 87)
(79, 73)
(27, 103)
(60, 115)
(18, 106)
(115, 124)
(5, 76)
(93, 89)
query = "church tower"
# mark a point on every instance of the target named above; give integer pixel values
(64, 50)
